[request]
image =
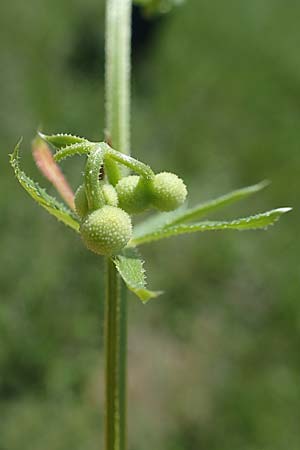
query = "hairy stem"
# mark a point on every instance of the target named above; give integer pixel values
(118, 30)
(115, 323)
(117, 85)
(117, 81)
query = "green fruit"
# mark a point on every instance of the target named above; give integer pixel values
(81, 203)
(168, 191)
(110, 195)
(106, 230)
(133, 194)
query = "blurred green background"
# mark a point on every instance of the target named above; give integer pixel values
(215, 362)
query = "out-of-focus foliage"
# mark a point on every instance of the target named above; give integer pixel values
(214, 362)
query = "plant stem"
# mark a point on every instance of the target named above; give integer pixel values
(117, 86)
(115, 322)
(117, 80)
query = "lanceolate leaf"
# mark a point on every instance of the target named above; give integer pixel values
(131, 269)
(62, 140)
(57, 209)
(202, 209)
(184, 214)
(262, 220)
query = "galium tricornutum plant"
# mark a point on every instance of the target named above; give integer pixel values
(116, 186)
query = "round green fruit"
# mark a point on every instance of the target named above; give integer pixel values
(168, 191)
(81, 203)
(133, 194)
(107, 230)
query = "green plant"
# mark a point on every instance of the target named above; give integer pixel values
(102, 205)
(133, 194)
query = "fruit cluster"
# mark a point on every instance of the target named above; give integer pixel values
(106, 230)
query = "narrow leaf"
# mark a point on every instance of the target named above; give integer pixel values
(62, 140)
(203, 209)
(258, 221)
(44, 160)
(131, 269)
(57, 209)
(158, 221)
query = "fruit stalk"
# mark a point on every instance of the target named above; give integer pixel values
(117, 87)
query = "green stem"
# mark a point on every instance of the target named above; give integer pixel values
(117, 85)
(115, 322)
(93, 189)
(126, 160)
(117, 80)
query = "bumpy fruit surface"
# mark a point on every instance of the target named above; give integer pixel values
(106, 230)
(133, 194)
(168, 191)
(110, 195)
(81, 203)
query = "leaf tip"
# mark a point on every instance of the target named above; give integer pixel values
(42, 135)
(147, 295)
(263, 184)
(284, 210)
(15, 154)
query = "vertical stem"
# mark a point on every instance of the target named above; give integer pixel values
(115, 382)
(117, 82)
(117, 87)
